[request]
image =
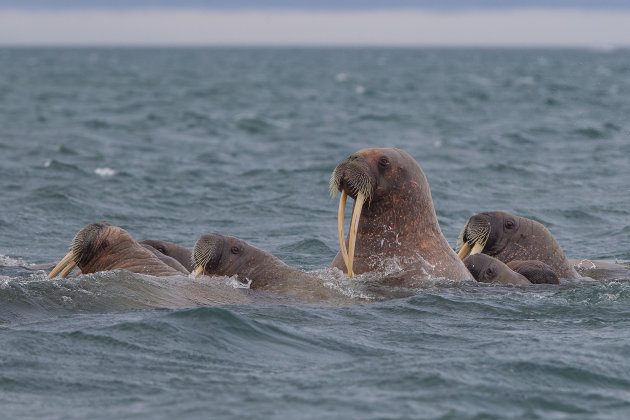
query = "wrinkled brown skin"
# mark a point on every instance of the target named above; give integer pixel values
(536, 272)
(400, 220)
(178, 252)
(171, 262)
(113, 248)
(526, 240)
(486, 269)
(230, 256)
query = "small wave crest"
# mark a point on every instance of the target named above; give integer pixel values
(11, 262)
(105, 172)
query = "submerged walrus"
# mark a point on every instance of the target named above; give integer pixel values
(170, 261)
(103, 247)
(219, 255)
(535, 271)
(509, 238)
(487, 269)
(178, 252)
(393, 217)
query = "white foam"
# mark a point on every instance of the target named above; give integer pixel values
(228, 281)
(360, 90)
(335, 279)
(341, 77)
(586, 264)
(233, 281)
(12, 262)
(104, 172)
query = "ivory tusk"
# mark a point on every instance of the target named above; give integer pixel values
(352, 236)
(69, 267)
(62, 265)
(477, 249)
(464, 251)
(197, 271)
(342, 240)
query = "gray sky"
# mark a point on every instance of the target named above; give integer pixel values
(597, 24)
(321, 5)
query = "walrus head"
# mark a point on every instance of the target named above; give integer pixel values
(219, 255)
(379, 180)
(102, 247)
(83, 248)
(487, 232)
(536, 272)
(509, 238)
(487, 269)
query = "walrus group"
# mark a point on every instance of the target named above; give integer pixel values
(393, 219)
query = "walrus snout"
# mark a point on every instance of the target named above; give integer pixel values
(82, 249)
(352, 176)
(87, 241)
(207, 253)
(474, 235)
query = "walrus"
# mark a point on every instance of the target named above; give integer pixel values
(170, 261)
(393, 218)
(486, 269)
(508, 238)
(220, 255)
(104, 247)
(536, 272)
(178, 252)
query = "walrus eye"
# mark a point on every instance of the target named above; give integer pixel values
(490, 271)
(383, 162)
(509, 224)
(235, 250)
(162, 250)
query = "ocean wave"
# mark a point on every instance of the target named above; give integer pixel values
(5, 260)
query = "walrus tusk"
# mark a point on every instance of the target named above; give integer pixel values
(342, 240)
(65, 266)
(477, 248)
(67, 270)
(352, 236)
(197, 271)
(464, 251)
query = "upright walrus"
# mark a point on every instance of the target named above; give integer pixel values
(103, 247)
(393, 218)
(510, 238)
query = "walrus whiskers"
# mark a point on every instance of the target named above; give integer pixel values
(472, 239)
(201, 256)
(205, 254)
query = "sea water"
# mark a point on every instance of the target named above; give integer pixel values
(174, 143)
